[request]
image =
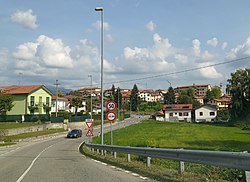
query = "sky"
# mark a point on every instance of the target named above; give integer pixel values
(154, 44)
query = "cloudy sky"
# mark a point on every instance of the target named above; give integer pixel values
(150, 43)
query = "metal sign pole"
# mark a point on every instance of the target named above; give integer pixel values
(111, 134)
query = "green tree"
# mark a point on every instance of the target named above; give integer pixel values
(185, 98)
(239, 88)
(75, 93)
(118, 98)
(215, 93)
(134, 98)
(170, 96)
(6, 103)
(76, 103)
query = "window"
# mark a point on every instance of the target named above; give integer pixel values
(212, 113)
(171, 114)
(185, 113)
(201, 113)
(175, 113)
(32, 100)
(47, 101)
(180, 113)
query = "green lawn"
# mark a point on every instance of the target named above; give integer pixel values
(181, 135)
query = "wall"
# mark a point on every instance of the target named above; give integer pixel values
(17, 131)
(19, 105)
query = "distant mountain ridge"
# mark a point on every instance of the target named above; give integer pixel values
(60, 89)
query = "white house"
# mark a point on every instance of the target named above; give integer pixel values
(61, 103)
(205, 113)
(177, 112)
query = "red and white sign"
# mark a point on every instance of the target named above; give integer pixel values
(89, 133)
(111, 116)
(89, 124)
(111, 105)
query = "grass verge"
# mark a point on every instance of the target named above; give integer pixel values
(157, 172)
(10, 140)
(11, 125)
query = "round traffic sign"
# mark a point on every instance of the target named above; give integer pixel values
(111, 116)
(111, 105)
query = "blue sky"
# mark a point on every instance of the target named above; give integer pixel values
(44, 40)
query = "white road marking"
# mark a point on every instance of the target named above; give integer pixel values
(32, 163)
(120, 169)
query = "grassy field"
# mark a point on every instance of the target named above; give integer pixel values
(187, 136)
(181, 135)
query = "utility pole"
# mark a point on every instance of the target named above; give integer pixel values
(56, 94)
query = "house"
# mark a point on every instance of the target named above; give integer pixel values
(60, 102)
(86, 92)
(177, 112)
(150, 95)
(73, 109)
(159, 116)
(222, 103)
(29, 99)
(205, 113)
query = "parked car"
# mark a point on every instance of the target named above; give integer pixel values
(75, 133)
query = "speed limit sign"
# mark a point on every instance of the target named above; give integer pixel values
(111, 116)
(111, 105)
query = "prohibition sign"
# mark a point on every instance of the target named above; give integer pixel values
(111, 105)
(111, 116)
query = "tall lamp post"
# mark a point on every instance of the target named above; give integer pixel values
(91, 106)
(101, 10)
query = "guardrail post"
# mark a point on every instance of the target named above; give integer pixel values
(115, 155)
(247, 173)
(129, 158)
(181, 166)
(105, 152)
(148, 161)
(97, 151)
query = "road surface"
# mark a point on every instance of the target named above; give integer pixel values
(57, 159)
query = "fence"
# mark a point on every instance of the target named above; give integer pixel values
(237, 160)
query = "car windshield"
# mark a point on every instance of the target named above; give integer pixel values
(74, 131)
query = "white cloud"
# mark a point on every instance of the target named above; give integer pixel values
(212, 42)
(53, 52)
(209, 72)
(26, 51)
(25, 18)
(162, 47)
(45, 52)
(207, 57)
(151, 26)
(240, 51)
(98, 24)
(181, 58)
(148, 60)
(109, 38)
(224, 45)
(196, 47)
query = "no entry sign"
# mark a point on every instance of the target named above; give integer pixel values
(111, 105)
(111, 116)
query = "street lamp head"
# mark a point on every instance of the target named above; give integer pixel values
(99, 9)
(89, 75)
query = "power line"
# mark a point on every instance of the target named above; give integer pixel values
(177, 72)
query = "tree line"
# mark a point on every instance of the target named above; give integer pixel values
(238, 87)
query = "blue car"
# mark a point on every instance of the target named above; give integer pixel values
(75, 133)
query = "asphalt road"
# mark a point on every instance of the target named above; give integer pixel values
(58, 159)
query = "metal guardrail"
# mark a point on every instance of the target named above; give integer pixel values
(238, 160)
